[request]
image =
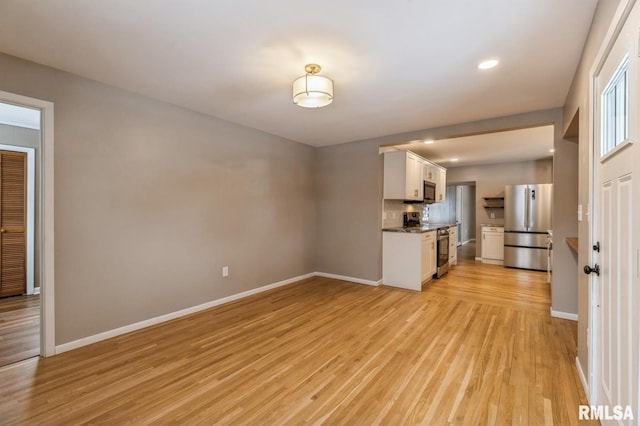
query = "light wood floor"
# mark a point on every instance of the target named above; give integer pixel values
(477, 347)
(19, 328)
(467, 251)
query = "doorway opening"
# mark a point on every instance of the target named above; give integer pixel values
(43, 254)
(20, 146)
(459, 208)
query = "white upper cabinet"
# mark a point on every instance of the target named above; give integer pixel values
(441, 185)
(430, 172)
(403, 176)
(405, 173)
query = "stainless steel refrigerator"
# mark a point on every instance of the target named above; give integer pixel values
(527, 220)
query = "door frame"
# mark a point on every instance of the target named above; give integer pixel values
(30, 210)
(614, 30)
(47, 252)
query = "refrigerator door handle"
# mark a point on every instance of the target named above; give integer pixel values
(526, 208)
(531, 200)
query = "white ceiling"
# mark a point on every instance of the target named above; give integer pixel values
(398, 65)
(531, 143)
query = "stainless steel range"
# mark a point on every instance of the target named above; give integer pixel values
(413, 220)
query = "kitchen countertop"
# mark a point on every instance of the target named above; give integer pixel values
(492, 224)
(419, 229)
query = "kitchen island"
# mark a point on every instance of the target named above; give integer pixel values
(409, 255)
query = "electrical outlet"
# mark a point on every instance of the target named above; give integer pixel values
(225, 271)
(492, 215)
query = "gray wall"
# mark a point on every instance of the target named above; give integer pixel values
(490, 181)
(152, 200)
(564, 280)
(578, 102)
(349, 200)
(468, 231)
(28, 138)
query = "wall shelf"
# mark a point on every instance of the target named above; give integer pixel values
(493, 202)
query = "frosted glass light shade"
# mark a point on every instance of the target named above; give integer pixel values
(312, 91)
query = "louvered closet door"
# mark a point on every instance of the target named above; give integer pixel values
(13, 219)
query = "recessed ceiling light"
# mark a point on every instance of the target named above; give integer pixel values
(552, 150)
(488, 64)
(454, 159)
(428, 141)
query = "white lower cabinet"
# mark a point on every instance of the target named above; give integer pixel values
(408, 259)
(492, 244)
(453, 246)
(428, 255)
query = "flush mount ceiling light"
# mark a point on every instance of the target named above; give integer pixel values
(428, 141)
(488, 64)
(312, 90)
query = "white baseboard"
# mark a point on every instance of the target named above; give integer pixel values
(167, 317)
(563, 315)
(491, 261)
(187, 311)
(585, 384)
(351, 279)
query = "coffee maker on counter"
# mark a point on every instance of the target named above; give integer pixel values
(411, 219)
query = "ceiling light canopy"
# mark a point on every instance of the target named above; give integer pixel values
(428, 141)
(488, 64)
(312, 90)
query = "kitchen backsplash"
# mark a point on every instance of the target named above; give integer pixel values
(393, 210)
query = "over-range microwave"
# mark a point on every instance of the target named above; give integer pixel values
(429, 192)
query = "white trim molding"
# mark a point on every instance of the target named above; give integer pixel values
(583, 379)
(563, 315)
(350, 279)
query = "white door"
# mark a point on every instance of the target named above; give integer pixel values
(615, 291)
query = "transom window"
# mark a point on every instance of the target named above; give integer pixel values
(615, 109)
